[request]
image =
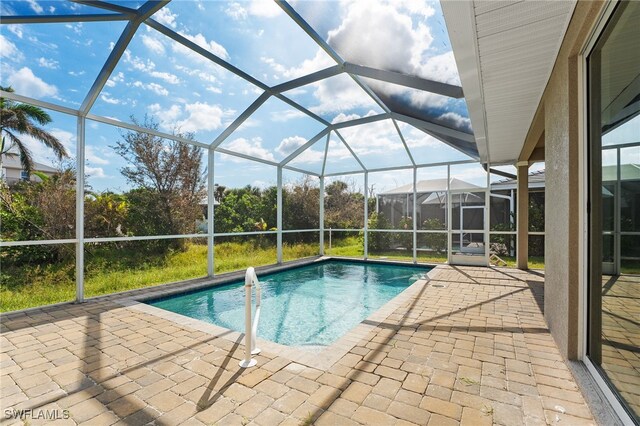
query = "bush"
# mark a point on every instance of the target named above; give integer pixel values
(437, 242)
(379, 241)
(405, 239)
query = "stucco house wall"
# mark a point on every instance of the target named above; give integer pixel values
(561, 111)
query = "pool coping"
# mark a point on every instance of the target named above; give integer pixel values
(320, 359)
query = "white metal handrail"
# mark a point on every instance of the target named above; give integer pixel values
(251, 327)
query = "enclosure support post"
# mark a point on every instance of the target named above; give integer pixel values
(449, 216)
(512, 218)
(279, 216)
(522, 252)
(210, 211)
(80, 210)
(487, 218)
(415, 216)
(366, 215)
(321, 216)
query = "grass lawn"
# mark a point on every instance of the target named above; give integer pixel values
(111, 269)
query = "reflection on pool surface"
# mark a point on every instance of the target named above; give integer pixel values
(310, 305)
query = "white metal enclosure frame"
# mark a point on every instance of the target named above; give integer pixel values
(135, 18)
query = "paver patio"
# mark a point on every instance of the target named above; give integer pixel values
(475, 351)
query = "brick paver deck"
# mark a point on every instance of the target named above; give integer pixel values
(621, 336)
(470, 347)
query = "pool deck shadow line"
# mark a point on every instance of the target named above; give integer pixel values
(474, 352)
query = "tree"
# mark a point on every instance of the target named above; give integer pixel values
(344, 206)
(18, 119)
(43, 210)
(168, 180)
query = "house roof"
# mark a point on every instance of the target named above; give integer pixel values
(627, 172)
(431, 185)
(536, 180)
(609, 174)
(12, 161)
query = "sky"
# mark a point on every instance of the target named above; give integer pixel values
(186, 93)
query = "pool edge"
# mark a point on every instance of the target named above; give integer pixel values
(323, 359)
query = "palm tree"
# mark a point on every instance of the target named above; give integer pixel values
(18, 119)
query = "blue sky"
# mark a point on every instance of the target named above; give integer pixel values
(186, 93)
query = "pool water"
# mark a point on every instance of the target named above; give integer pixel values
(309, 305)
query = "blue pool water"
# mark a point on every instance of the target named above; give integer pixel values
(309, 305)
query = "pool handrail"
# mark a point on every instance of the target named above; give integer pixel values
(251, 327)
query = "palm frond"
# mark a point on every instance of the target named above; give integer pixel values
(49, 140)
(33, 112)
(25, 155)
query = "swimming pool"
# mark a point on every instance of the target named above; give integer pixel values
(310, 305)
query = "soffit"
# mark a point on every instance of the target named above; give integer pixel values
(505, 52)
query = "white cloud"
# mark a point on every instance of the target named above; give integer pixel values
(379, 138)
(337, 151)
(214, 89)
(251, 147)
(95, 172)
(260, 184)
(204, 76)
(138, 63)
(169, 78)
(95, 157)
(154, 87)
(48, 63)
(344, 117)
(202, 116)
(105, 97)
(167, 117)
(9, 50)
(319, 61)
(26, 83)
(115, 79)
(153, 44)
(416, 7)
(394, 36)
(357, 43)
(16, 29)
(164, 16)
(441, 68)
(236, 11)
(213, 47)
(33, 4)
(76, 28)
(416, 138)
(347, 117)
(290, 144)
(341, 94)
(76, 73)
(67, 139)
(264, 8)
(286, 115)
(310, 156)
(456, 120)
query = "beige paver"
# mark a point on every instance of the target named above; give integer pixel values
(475, 352)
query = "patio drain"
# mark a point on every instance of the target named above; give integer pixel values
(438, 285)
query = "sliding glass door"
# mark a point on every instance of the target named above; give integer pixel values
(614, 206)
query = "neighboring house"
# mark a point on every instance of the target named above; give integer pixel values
(201, 225)
(12, 170)
(432, 200)
(467, 204)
